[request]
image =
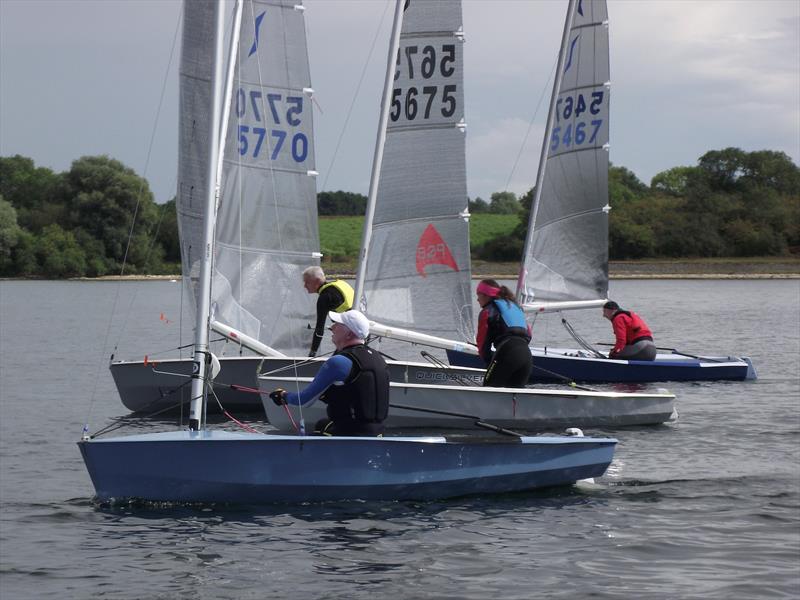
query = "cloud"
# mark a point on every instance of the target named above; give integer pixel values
(493, 152)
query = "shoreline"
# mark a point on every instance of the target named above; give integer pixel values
(722, 269)
(506, 276)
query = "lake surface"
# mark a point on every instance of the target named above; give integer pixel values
(707, 507)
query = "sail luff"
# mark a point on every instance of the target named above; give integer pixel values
(377, 159)
(545, 146)
(211, 194)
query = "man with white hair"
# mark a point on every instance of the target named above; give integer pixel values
(354, 382)
(334, 295)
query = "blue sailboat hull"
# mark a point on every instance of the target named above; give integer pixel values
(558, 364)
(219, 466)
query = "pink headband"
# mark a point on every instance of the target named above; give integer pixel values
(485, 288)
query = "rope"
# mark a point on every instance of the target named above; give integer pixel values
(583, 343)
(442, 365)
(223, 410)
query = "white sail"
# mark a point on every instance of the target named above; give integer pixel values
(417, 272)
(266, 224)
(566, 251)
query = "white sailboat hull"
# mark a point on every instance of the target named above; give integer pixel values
(526, 408)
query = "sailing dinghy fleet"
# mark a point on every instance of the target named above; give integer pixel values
(247, 207)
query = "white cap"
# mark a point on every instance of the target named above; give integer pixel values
(353, 320)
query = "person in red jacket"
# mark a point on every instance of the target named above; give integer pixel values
(634, 340)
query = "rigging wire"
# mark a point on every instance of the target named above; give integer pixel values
(133, 222)
(355, 95)
(295, 342)
(530, 125)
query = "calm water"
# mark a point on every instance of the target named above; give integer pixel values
(706, 507)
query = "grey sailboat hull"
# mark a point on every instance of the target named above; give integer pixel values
(164, 385)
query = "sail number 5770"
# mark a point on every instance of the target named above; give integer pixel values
(255, 107)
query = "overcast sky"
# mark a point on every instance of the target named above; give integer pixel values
(85, 77)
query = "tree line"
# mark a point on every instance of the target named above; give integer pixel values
(99, 215)
(80, 222)
(731, 204)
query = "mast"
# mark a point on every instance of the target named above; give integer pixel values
(201, 352)
(233, 55)
(562, 53)
(377, 159)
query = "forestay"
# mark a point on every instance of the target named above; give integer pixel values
(566, 252)
(417, 274)
(266, 224)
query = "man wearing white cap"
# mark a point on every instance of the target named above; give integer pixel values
(354, 382)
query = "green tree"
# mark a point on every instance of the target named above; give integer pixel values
(722, 168)
(524, 214)
(25, 261)
(624, 186)
(479, 205)
(509, 245)
(504, 203)
(674, 181)
(9, 236)
(104, 197)
(59, 254)
(341, 203)
(167, 236)
(773, 170)
(34, 192)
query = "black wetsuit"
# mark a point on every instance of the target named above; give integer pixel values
(361, 404)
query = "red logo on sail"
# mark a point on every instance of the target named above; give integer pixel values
(432, 250)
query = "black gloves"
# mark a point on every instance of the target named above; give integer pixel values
(278, 397)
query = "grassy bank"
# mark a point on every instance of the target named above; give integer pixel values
(340, 237)
(695, 268)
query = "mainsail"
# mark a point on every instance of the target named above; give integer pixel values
(566, 252)
(266, 223)
(417, 273)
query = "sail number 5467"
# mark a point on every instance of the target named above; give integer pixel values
(576, 132)
(569, 106)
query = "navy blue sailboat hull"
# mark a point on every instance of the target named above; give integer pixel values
(219, 466)
(558, 365)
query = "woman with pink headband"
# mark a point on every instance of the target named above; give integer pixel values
(502, 323)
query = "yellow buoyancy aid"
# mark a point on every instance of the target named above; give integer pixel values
(345, 289)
